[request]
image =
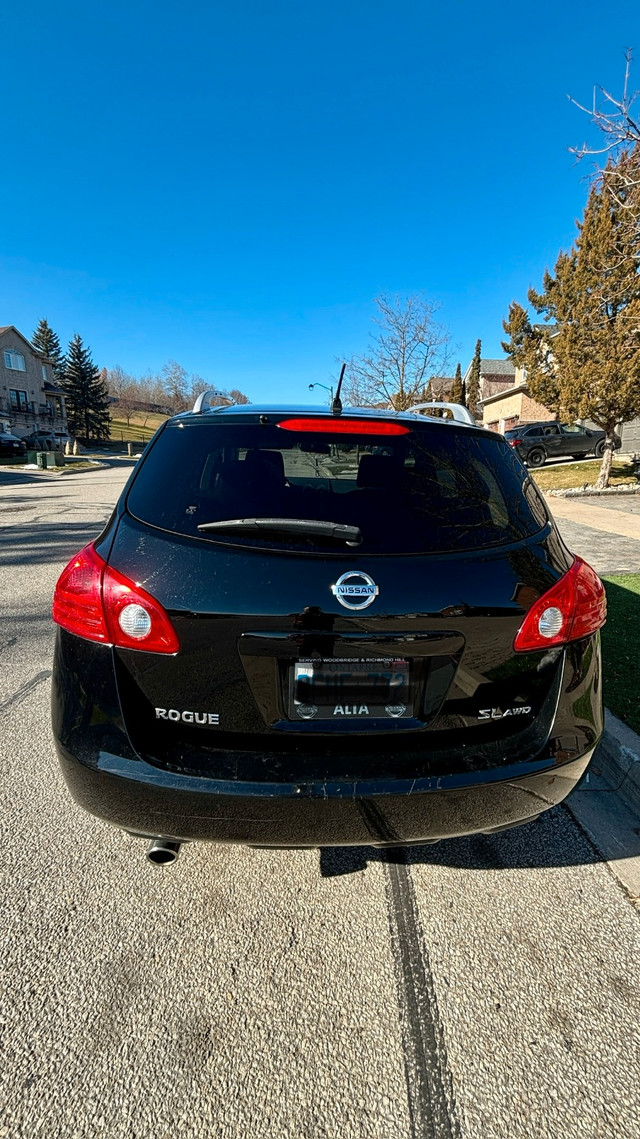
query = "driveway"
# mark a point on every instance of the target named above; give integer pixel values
(486, 987)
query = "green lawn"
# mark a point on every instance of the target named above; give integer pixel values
(620, 643)
(139, 429)
(567, 475)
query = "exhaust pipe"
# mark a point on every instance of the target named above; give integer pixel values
(163, 851)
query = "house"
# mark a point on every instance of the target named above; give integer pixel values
(30, 399)
(512, 405)
(495, 377)
(441, 386)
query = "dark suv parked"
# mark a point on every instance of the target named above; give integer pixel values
(10, 446)
(537, 442)
(301, 628)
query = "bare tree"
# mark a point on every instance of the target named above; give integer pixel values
(174, 377)
(408, 348)
(117, 380)
(239, 397)
(617, 160)
(613, 117)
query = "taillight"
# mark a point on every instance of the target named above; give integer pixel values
(96, 602)
(515, 442)
(574, 607)
(77, 600)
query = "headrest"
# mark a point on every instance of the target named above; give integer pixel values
(378, 471)
(269, 464)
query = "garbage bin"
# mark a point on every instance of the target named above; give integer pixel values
(41, 459)
(54, 459)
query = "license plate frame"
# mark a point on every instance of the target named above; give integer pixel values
(351, 688)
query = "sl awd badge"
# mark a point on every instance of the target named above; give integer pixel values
(355, 590)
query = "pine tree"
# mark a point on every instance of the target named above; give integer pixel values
(456, 395)
(588, 364)
(433, 394)
(46, 343)
(86, 394)
(473, 388)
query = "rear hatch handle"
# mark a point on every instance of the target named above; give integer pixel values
(339, 531)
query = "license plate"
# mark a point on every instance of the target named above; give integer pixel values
(346, 689)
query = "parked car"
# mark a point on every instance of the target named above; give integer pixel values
(10, 446)
(537, 442)
(283, 643)
(40, 441)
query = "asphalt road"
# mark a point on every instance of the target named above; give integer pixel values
(484, 988)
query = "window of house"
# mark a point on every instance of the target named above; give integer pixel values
(18, 400)
(44, 373)
(14, 360)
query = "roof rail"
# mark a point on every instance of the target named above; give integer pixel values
(459, 413)
(203, 401)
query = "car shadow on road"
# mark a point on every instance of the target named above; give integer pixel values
(42, 543)
(554, 840)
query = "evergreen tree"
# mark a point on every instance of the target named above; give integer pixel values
(473, 389)
(456, 395)
(86, 394)
(46, 343)
(588, 364)
(435, 394)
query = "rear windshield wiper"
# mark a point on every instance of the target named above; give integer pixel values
(303, 526)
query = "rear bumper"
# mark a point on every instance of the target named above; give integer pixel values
(146, 800)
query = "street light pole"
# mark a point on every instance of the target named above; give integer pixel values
(330, 390)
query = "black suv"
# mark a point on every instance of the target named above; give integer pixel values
(11, 447)
(537, 442)
(302, 628)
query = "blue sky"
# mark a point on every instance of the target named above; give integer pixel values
(231, 185)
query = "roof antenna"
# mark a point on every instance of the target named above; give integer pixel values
(336, 405)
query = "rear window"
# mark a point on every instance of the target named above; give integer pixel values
(434, 489)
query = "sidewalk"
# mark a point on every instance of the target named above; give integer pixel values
(606, 533)
(603, 531)
(615, 518)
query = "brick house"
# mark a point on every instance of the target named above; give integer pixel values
(30, 399)
(512, 405)
(496, 376)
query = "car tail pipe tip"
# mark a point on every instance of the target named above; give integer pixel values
(163, 851)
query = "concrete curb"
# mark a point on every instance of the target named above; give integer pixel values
(617, 760)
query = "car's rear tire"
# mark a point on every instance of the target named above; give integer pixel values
(536, 457)
(598, 450)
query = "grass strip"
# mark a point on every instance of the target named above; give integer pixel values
(139, 429)
(620, 642)
(577, 475)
